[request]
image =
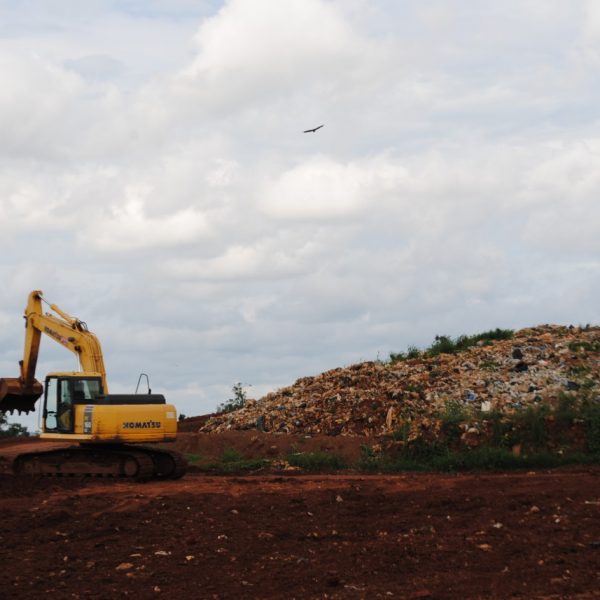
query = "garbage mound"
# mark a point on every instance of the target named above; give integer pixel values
(537, 365)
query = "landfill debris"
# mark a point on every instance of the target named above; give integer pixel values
(537, 365)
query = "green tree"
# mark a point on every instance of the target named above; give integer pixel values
(238, 401)
(11, 429)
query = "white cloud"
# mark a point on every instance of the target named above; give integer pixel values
(262, 259)
(322, 188)
(38, 100)
(128, 227)
(96, 67)
(24, 209)
(156, 181)
(591, 24)
(251, 44)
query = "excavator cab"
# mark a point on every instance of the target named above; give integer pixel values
(62, 392)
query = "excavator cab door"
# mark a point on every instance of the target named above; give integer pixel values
(61, 394)
(58, 405)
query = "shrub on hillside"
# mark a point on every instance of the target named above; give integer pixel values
(444, 344)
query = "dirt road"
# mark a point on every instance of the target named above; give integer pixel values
(525, 535)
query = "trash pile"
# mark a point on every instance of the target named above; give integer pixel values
(537, 365)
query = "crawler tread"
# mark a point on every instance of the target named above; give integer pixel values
(86, 461)
(168, 464)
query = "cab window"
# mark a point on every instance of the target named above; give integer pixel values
(91, 388)
(51, 403)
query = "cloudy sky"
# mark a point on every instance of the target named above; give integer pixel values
(155, 180)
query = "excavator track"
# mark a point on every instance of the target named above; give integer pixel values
(168, 464)
(127, 462)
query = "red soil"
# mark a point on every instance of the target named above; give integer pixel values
(519, 535)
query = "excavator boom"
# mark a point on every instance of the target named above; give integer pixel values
(21, 393)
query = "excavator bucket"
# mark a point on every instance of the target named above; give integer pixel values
(15, 396)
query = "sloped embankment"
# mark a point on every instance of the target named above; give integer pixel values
(538, 366)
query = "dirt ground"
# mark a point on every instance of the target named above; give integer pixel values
(517, 535)
(256, 444)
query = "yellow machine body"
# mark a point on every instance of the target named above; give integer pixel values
(119, 424)
(76, 408)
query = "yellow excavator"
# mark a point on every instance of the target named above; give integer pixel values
(109, 428)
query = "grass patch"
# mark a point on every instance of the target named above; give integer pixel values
(446, 345)
(401, 432)
(590, 412)
(420, 450)
(543, 432)
(316, 461)
(489, 459)
(233, 462)
(230, 455)
(584, 346)
(411, 352)
(486, 458)
(529, 427)
(193, 458)
(500, 428)
(488, 365)
(376, 463)
(566, 410)
(238, 466)
(451, 418)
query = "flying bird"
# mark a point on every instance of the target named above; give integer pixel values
(313, 130)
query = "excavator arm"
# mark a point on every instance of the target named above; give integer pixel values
(21, 393)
